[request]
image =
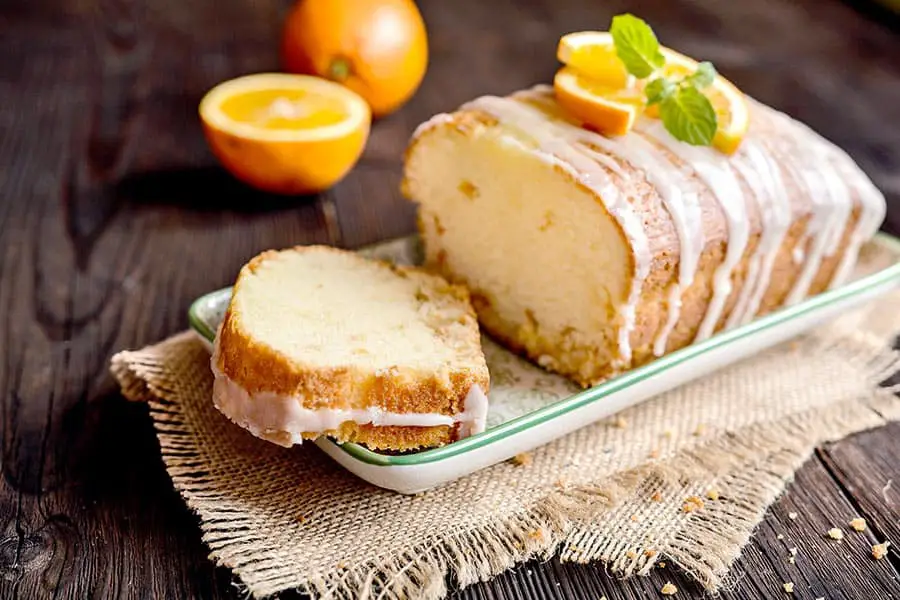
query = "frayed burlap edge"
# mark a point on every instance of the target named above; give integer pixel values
(751, 467)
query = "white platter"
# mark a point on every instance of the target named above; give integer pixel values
(530, 407)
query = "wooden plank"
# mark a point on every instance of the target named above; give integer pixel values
(867, 466)
(110, 223)
(114, 215)
(822, 567)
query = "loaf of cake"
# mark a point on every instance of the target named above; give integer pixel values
(593, 254)
(319, 341)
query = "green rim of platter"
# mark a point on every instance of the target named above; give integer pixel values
(602, 390)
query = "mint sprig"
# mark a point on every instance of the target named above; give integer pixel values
(686, 113)
(689, 116)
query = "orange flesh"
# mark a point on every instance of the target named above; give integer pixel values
(615, 94)
(284, 109)
(601, 63)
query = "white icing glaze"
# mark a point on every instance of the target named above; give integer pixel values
(682, 202)
(873, 207)
(829, 179)
(556, 143)
(268, 416)
(714, 169)
(763, 176)
(676, 190)
(813, 166)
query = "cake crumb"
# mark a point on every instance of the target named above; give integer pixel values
(630, 554)
(713, 494)
(792, 515)
(859, 524)
(650, 553)
(792, 560)
(662, 564)
(548, 221)
(780, 536)
(669, 589)
(700, 430)
(836, 533)
(654, 453)
(522, 459)
(879, 551)
(635, 518)
(789, 587)
(793, 551)
(620, 423)
(537, 534)
(656, 497)
(468, 189)
(691, 504)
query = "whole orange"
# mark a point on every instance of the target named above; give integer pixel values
(377, 48)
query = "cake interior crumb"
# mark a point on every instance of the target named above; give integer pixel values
(692, 503)
(879, 551)
(522, 459)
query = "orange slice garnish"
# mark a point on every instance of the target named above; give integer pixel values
(288, 134)
(732, 113)
(592, 54)
(609, 110)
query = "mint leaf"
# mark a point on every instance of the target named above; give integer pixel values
(658, 90)
(689, 116)
(703, 76)
(636, 45)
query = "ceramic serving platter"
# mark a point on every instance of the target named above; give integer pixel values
(530, 407)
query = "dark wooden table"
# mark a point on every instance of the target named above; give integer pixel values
(114, 215)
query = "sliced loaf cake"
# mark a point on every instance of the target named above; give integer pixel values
(594, 255)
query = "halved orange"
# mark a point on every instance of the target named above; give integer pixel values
(609, 110)
(593, 54)
(287, 134)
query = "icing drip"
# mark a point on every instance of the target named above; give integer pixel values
(872, 204)
(269, 416)
(677, 191)
(556, 143)
(873, 210)
(715, 171)
(811, 164)
(763, 176)
(682, 202)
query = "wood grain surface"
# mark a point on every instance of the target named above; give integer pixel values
(114, 216)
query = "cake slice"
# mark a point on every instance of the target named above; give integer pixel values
(319, 341)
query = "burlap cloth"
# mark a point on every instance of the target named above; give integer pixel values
(615, 491)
